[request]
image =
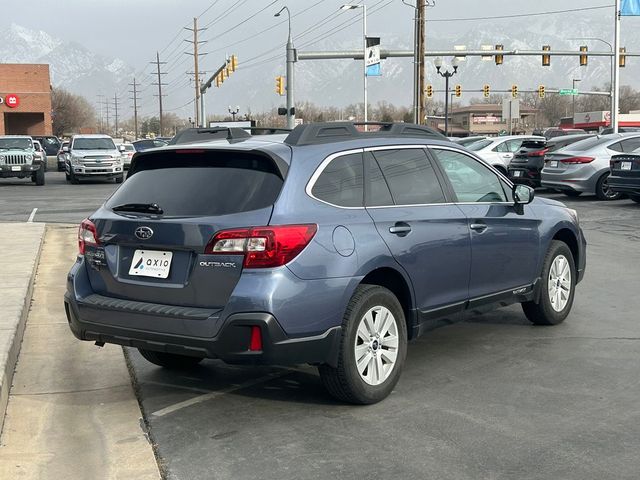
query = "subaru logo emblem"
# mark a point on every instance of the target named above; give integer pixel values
(144, 233)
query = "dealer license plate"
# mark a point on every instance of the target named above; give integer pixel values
(553, 164)
(16, 168)
(625, 165)
(151, 263)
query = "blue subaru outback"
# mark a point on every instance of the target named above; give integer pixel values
(328, 246)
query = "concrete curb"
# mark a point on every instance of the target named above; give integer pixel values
(9, 355)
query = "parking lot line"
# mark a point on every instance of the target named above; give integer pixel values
(209, 396)
(32, 215)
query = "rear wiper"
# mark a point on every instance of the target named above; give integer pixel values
(139, 207)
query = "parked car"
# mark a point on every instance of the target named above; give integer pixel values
(147, 143)
(40, 153)
(331, 246)
(609, 130)
(51, 144)
(559, 132)
(62, 156)
(527, 163)
(18, 159)
(625, 175)
(93, 156)
(498, 151)
(469, 140)
(127, 153)
(583, 167)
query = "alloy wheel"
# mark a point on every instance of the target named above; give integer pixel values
(376, 345)
(559, 283)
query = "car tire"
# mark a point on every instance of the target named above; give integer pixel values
(120, 178)
(558, 274)
(38, 177)
(572, 193)
(603, 192)
(169, 360)
(73, 179)
(382, 354)
(635, 198)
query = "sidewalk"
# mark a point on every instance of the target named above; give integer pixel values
(21, 248)
(72, 412)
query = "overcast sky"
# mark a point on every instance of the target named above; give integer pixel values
(134, 30)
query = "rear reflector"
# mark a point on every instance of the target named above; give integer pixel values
(255, 344)
(578, 160)
(87, 235)
(263, 247)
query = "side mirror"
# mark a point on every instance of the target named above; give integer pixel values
(121, 148)
(65, 149)
(522, 195)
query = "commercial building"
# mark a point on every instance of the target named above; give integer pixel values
(485, 119)
(596, 121)
(25, 99)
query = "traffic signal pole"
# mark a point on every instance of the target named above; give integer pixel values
(615, 88)
(291, 54)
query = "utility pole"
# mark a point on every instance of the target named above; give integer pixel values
(199, 100)
(100, 103)
(135, 105)
(420, 48)
(159, 84)
(291, 59)
(115, 103)
(615, 89)
(106, 105)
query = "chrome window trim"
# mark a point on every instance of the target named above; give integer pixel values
(316, 174)
(318, 171)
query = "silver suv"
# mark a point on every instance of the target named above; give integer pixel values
(18, 159)
(93, 156)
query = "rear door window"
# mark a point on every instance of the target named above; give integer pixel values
(201, 185)
(410, 176)
(341, 182)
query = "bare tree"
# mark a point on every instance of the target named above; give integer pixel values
(70, 112)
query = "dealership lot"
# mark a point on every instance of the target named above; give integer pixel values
(493, 397)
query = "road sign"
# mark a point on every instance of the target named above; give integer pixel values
(568, 91)
(372, 60)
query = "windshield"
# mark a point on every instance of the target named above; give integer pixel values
(129, 148)
(19, 143)
(479, 145)
(93, 144)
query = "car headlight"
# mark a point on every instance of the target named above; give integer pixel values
(74, 160)
(2, 158)
(29, 157)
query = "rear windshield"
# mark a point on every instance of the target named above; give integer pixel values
(201, 186)
(479, 145)
(533, 144)
(93, 144)
(589, 143)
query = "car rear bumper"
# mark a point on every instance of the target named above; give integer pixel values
(525, 176)
(625, 185)
(231, 344)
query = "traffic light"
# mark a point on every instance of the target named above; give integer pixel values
(541, 91)
(457, 90)
(583, 57)
(233, 63)
(217, 80)
(499, 57)
(429, 91)
(486, 91)
(227, 71)
(546, 59)
(280, 85)
(623, 57)
(514, 91)
(223, 75)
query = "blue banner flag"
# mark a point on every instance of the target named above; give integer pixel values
(630, 8)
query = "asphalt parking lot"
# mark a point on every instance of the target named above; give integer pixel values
(490, 398)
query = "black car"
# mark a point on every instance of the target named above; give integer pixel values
(625, 175)
(147, 143)
(50, 144)
(550, 133)
(527, 163)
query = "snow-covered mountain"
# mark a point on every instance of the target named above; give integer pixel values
(339, 82)
(72, 66)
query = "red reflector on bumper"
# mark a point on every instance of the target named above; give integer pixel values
(255, 344)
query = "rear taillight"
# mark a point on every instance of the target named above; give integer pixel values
(539, 153)
(255, 341)
(87, 235)
(578, 160)
(263, 247)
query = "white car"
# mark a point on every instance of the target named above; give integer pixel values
(498, 151)
(127, 150)
(40, 153)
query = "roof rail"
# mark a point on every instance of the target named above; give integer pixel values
(193, 135)
(316, 133)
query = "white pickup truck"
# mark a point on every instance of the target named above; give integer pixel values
(93, 156)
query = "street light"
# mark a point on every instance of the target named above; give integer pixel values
(364, 50)
(447, 74)
(611, 59)
(291, 58)
(234, 112)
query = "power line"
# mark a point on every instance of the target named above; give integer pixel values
(499, 17)
(243, 21)
(227, 13)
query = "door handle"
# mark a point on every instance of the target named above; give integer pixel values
(478, 227)
(400, 228)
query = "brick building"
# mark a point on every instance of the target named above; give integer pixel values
(25, 99)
